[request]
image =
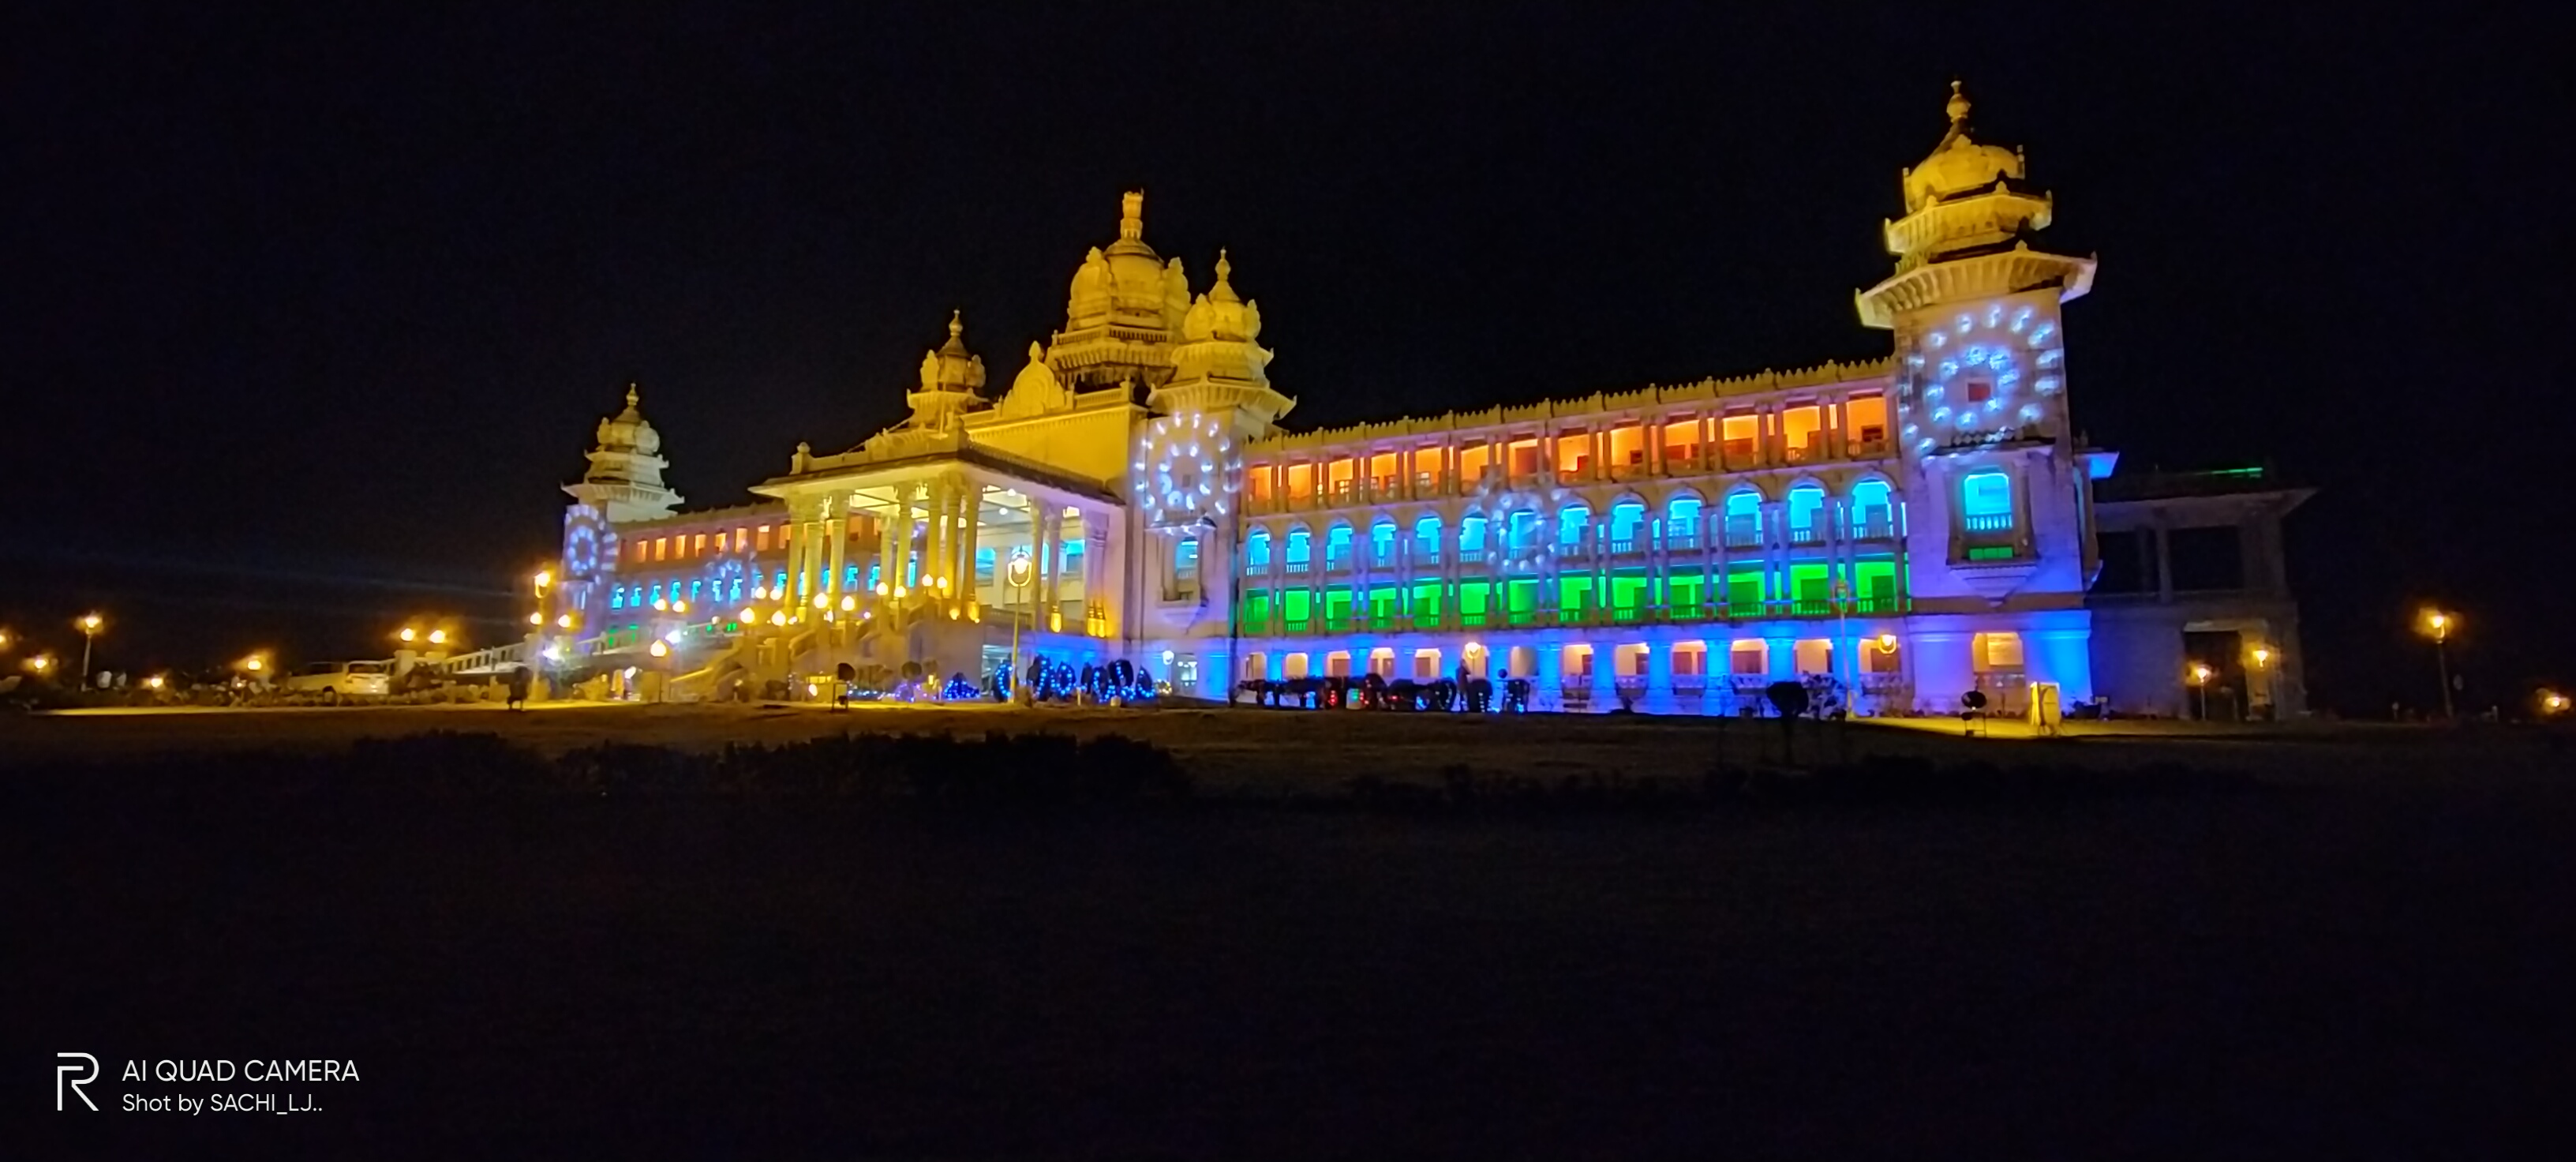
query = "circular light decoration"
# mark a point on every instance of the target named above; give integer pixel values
(2009, 349)
(1184, 471)
(1497, 502)
(726, 574)
(586, 538)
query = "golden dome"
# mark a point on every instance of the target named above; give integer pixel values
(629, 432)
(1221, 313)
(1128, 283)
(952, 367)
(1958, 165)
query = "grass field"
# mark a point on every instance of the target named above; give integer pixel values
(2373, 956)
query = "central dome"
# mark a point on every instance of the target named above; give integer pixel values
(1128, 285)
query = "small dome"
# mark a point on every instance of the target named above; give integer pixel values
(952, 368)
(1958, 165)
(629, 432)
(1221, 313)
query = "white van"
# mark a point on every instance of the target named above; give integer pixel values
(337, 680)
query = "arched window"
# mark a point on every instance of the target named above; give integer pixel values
(1681, 522)
(1572, 522)
(1382, 543)
(1743, 518)
(1337, 546)
(1986, 502)
(1256, 551)
(1471, 537)
(1806, 506)
(1426, 541)
(1185, 562)
(1300, 549)
(1523, 530)
(1873, 511)
(1627, 526)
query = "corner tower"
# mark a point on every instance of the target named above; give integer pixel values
(624, 484)
(1997, 532)
(625, 478)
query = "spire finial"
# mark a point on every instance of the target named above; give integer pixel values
(630, 395)
(1958, 103)
(956, 322)
(1131, 215)
(1223, 267)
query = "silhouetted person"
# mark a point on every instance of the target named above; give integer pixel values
(520, 679)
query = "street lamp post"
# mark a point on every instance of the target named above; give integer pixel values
(1842, 636)
(1019, 574)
(2438, 624)
(90, 624)
(2200, 688)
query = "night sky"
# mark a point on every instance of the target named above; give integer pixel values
(308, 318)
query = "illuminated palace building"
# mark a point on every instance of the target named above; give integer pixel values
(1901, 531)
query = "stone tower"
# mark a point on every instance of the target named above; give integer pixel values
(1996, 488)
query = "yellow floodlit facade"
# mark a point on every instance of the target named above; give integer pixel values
(1903, 529)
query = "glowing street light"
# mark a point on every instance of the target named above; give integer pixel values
(407, 634)
(543, 578)
(2438, 625)
(564, 621)
(2263, 666)
(155, 682)
(659, 648)
(40, 663)
(2200, 686)
(1018, 574)
(2552, 704)
(90, 624)
(438, 637)
(537, 619)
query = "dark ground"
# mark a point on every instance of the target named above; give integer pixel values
(2381, 967)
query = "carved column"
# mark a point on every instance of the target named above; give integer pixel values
(837, 512)
(1095, 565)
(795, 545)
(971, 506)
(899, 560)
(1050, 559)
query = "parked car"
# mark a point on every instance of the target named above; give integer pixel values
(337, 680)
